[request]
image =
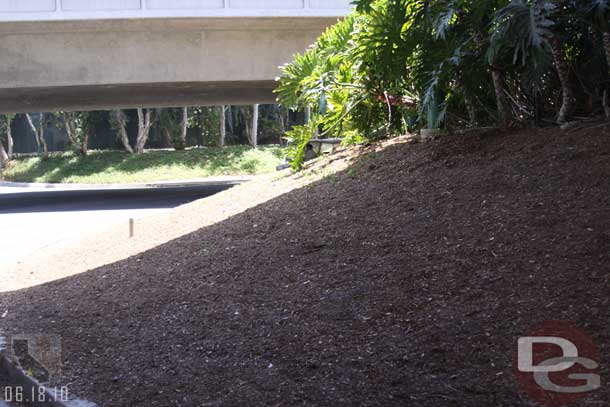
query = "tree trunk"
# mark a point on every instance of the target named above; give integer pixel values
(282, 125)
(470, 107)
(246, 122)
(9, 136)
(69, 130)
(39, 135)
(34, 130)
(468, 102)
(121, 123)
(3, 155)
(231, 126)
(281, 120)
(307, 114)
(501, 102)
(144, 125)
(84, 147)
(606, 41)
(223, 126)
(563, 70)
(169, 141)
(77, 144)
(43, 142)
(185, 127)
(254, 133)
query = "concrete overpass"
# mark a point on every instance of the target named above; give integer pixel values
(101, 54)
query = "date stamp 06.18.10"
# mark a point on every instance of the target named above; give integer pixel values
(19, 394)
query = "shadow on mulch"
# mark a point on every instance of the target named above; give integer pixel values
(403, 281)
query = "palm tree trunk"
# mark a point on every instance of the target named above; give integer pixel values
(563, 70)
(501, 102)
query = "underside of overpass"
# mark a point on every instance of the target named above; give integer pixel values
(104, 54)
(131, 96)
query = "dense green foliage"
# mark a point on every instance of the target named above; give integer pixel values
(103, 167)
(394, 65)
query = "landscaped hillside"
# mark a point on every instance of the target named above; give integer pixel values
(403, 281)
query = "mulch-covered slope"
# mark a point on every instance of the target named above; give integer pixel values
(404, 281)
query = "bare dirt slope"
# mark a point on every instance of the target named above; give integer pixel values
(403, 281)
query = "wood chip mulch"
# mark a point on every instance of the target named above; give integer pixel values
(404, 280)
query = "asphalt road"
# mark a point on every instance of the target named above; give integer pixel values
(30, 221)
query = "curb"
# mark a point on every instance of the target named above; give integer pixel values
(45, 197)
(44, 187)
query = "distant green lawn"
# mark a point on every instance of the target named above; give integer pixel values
(105, 167)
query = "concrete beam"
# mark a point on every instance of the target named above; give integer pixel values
(107, 97)
(84, 65)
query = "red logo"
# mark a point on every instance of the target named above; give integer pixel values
(557, 364)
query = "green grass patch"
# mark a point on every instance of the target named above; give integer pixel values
(107, 167)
